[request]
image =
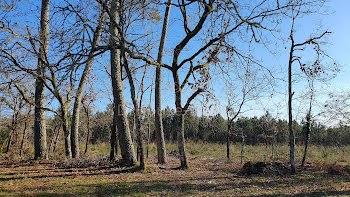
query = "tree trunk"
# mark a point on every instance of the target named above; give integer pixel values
(290, 117)
(79, 94)
(307, 137)
(40, 146)
(53, 138)
(161, 151)
(113, 140)
(66, 131)
(9, 141)
(137, 118)
(56, 138)
(24, 131)
(179, 121)
(242, 145)
(180, 130)
(88, 130)
(119, 116)
(308, 128)
(228, 140)
(148, 134)
(12, 129)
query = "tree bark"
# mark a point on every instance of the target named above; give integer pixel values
(66, 131)
(40, 145)
(180, 130)
(82, 83)
(119, 116)
(161, 151)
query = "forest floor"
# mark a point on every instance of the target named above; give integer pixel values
(205, 177)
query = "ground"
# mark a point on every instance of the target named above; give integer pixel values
(206, 177)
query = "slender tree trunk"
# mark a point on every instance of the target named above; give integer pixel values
(228, 140)
(9, 141)
(81, 87)
(148, 133)
(24, 131)
(133, 131)
(308, 128)
(40, 145)
(12, 129)
(307, 137)
(119, 116)
(23, 138)
(137, 118)
(242, 145)
(161, 151)
(113, 140)
(88, 129)
(290, 117)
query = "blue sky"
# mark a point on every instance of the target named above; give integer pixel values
(336, 21)
(337, 47)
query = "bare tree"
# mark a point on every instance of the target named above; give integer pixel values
(158, 108)
(315, 68)
(119, 117)
(40, 144)
(137, 111)
(84, 77)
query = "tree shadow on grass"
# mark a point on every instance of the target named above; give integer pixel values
(189, 186)
(306, 194)
(66, 173)
(185, 186)
(192, 184)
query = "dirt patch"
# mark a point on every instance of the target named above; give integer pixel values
(264, 168)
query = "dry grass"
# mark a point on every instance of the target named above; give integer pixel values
(209, 175)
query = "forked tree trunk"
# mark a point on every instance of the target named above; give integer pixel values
(119, 117)
(161, 152)
(81, 87)
(40, 145)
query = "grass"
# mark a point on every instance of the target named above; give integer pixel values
(210, 174)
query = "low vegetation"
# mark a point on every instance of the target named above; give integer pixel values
(210, 174)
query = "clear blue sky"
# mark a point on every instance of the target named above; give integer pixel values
(338, 48)
(335, 21)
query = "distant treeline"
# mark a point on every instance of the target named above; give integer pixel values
(264, 129)
(256, 130)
